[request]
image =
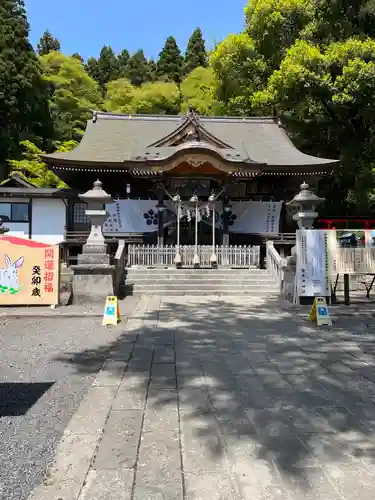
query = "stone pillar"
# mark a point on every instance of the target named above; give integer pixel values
(93, 278)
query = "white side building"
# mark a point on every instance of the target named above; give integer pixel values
(34, 213)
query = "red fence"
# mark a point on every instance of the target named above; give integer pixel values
(345, 223)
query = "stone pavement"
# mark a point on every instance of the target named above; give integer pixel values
(224, 399)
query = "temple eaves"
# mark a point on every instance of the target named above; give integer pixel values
(114, 141)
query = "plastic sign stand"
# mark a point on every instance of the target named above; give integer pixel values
(111, 311)
(320, 313)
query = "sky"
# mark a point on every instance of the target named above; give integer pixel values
(85, 26)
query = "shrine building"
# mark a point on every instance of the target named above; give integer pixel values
(243, 169)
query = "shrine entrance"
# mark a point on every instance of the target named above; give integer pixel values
(187, 233)
(197, 201)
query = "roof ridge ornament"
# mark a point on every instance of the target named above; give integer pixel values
(193, 117)
(192, 113)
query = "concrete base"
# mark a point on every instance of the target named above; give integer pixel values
(92, 283)
(94, 277)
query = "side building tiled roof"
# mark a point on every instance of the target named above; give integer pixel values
(118, 140)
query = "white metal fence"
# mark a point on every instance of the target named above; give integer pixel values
(228, 256)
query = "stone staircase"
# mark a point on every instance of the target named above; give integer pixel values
(222, 281)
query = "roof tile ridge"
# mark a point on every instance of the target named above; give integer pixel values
(240, 119)
(106, 115)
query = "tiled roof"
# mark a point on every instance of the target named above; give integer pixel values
(121, 139)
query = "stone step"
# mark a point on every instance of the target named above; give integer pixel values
(198, 275)
(169, 292)
(222, 281)
(192, 270)
(193, 287)
(198, 282)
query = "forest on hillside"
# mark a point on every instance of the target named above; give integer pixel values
(309, 62)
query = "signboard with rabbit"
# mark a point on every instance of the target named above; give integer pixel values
(29, 272)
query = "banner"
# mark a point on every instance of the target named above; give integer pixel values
(255, 217)
(135, 216)
(313, 263)
(29, 272)
(141, 216)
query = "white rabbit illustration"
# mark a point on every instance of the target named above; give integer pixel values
(9, 275)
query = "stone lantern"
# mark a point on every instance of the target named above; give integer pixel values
(96, 199)
(94, 275)
(305, 203)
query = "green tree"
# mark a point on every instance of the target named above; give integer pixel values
(340, 19)
(240, 71)
(92, 69)
(47, 44)
(274, 25)
(199, 90)
(33, 169)
(123, 61)
(73, 94)
(148, 98)
(108, 66)
(23, 105)
(119, 96)
(157, 98)
(196, 54)
(152, 70)
(326, 96)
(79, 57)
(170, 61)
(138, 70)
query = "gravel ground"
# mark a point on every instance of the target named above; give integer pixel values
(40, 387)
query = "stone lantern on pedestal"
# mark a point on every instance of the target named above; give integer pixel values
(94, 275)
(305, 203)
(96, 199)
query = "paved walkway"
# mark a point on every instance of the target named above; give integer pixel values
(224, 399)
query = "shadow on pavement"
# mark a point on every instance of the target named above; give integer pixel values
(16, 398)
(300, 395)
